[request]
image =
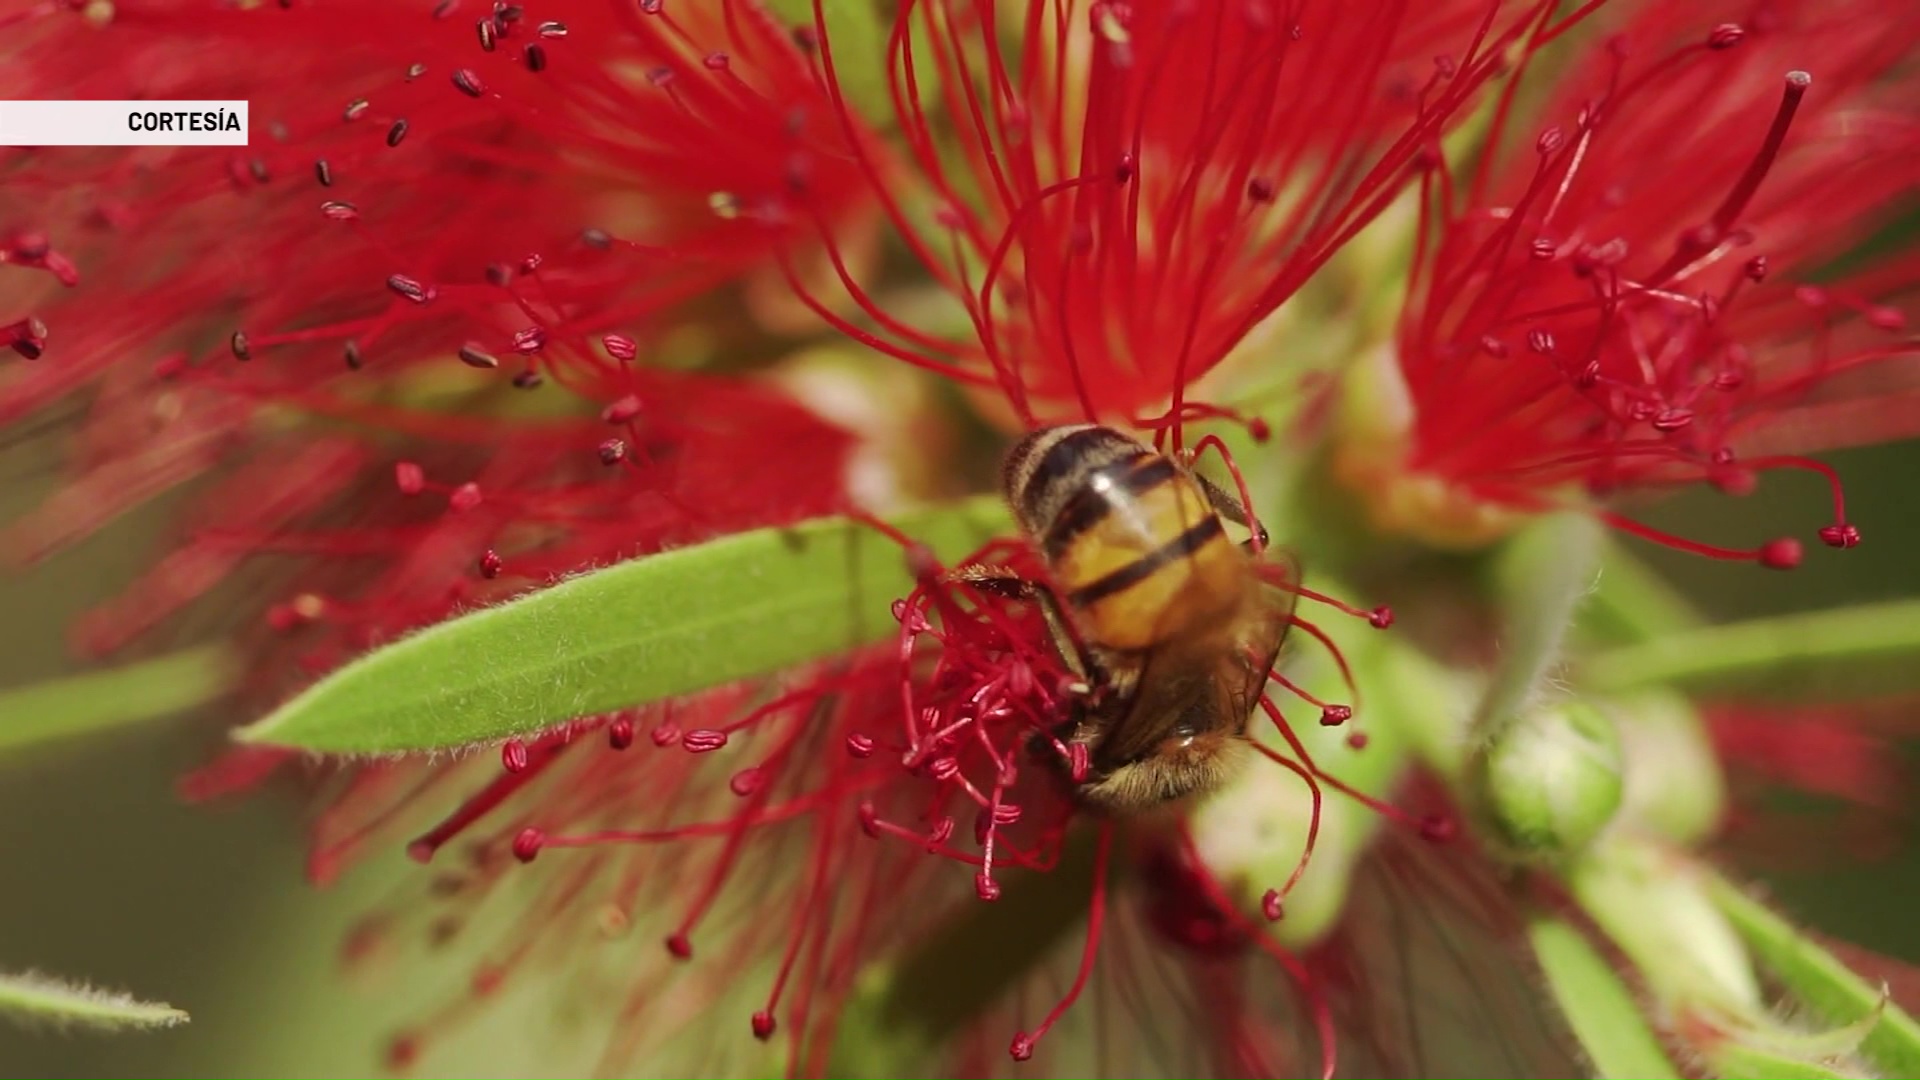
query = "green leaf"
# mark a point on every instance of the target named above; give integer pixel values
(36, 1000)
(1818, 980)
(651, 628)
(99, 701)
(1600, 1007)
(1849, 653)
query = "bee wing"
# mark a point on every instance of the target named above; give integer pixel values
(1427, 975)
(1264, 635)
(1161, 702)
(1431, 973)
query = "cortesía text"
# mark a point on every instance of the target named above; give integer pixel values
(183, 120)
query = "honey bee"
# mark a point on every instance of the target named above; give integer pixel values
(1170, 625)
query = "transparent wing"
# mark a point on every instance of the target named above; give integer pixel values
(1427, 975)
(1264, 636)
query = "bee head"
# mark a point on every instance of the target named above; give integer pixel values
(1181, 767)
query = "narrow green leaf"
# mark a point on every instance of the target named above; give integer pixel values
(98, 701)
(652, 628)
(1818, 980)
(1600, 1007)
(1865, 651)
(37, 1000)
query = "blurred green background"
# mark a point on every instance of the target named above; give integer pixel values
(108, 876)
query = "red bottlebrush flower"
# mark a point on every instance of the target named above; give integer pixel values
(1637, 296)
(1848, 757)
(1132, 188)
(423, 190)
(335, 325)
(839, 803)
(830, 788)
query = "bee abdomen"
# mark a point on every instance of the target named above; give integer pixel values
(1191, 541)
(1133, 544)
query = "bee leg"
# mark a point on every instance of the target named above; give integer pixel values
(1003, 581)
(1228, 506)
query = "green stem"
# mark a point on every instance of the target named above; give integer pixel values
(1598, 1005)
(1845, 653)
(112, 698)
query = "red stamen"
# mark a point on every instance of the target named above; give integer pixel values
(1024, 1042)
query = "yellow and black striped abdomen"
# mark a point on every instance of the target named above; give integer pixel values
(1138, 554)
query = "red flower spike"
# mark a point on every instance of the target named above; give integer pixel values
(429, 193)
(1848, 759)
(454, 197)
(1138, 185)
(1662, 322)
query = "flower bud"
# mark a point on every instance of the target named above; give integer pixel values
(1675, 788)
(1370, 452)
(1552, 780)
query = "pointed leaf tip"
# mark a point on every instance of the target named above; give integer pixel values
(652, 628)
(34, 1000)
